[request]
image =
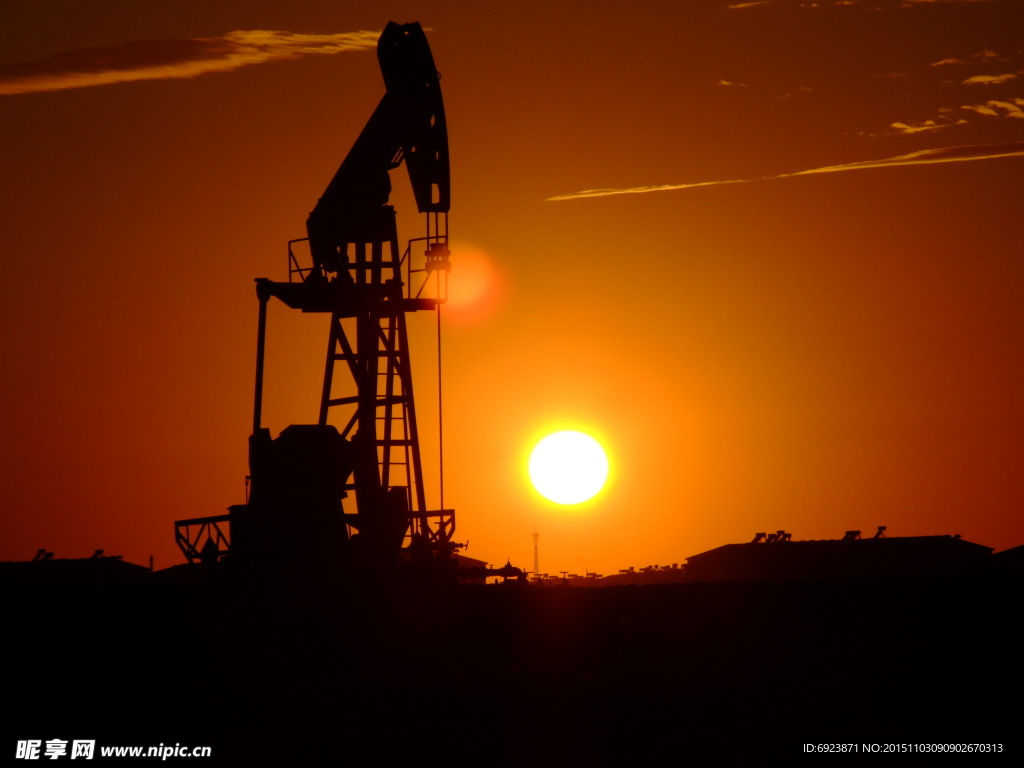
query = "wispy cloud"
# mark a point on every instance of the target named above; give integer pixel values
(987, 55)
(1010, 108)
(164, 59)
(927, 125)
(948, 116)
(923, 157)
(731, 84)
(981, 109)
(989, 79)
(739, 6)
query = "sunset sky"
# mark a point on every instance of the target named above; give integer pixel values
(768, 253)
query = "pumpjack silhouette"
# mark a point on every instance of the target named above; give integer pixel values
(365, 442)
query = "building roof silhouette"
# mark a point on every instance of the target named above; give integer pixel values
(781, 559)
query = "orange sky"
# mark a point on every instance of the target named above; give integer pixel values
(807, 351)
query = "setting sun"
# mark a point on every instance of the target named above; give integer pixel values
(568, 467)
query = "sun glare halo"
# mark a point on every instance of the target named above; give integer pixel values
(568, 467)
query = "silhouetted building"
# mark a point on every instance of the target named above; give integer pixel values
(46, 571)
(1009, 560)
(649, 574)
(777, 557)
(477, 572)
(471, 570)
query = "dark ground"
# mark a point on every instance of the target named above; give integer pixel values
(513, 674)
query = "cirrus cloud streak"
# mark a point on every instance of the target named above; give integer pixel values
(172, 59)
(922, 157)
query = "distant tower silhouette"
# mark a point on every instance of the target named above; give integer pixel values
(536, 558)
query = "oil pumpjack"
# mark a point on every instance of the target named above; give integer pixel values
(294, 513)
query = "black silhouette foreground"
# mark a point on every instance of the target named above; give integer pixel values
(517, 674)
